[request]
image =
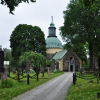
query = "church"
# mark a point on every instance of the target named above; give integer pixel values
(61, 59)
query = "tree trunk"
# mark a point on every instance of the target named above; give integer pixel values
(91, 55)
(18, 76)
(22, 70)
(37, 78)
(28, 80)
(18, 73)
(42, 74)
(9, 71)
(96, 61)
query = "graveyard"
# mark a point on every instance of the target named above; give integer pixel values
(16, 82)
(13, 87)
(86, 87)
(34, 59)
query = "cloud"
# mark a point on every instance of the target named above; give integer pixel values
(35, 14)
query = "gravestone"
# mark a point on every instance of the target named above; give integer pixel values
(2, 70)
(1, 60)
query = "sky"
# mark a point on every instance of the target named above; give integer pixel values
(35, 14)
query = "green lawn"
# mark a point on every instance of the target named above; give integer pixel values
(83, 89)
(21, 87)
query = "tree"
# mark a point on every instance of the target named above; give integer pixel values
(7, 57)
(11, 4)
(85, 23)
(36, 60)
(88, 3)
(7, 54)
(27, 38)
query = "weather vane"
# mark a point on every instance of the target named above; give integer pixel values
(52, 18)
(0, 47)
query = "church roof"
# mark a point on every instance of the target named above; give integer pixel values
(53, 42)
(52, 24)
(59, 55)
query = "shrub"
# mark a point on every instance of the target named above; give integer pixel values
(86, 67)
(6, 84)
(45, 69)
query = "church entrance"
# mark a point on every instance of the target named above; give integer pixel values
(71, 67)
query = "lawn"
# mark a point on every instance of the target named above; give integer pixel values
(84, 89)
(21, 87)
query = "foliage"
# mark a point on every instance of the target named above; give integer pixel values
(13, 63)
(7, 84)
(88, 3)
(81, 25)
(36, 59)
(83, 90)
(86, 67)
(7, 54)
(11, 4)
(48, 62)
(21, 87)
(27, 38)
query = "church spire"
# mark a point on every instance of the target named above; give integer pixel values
(52, 18)
(52, 29)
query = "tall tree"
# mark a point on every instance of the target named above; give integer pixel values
(82, 22)
(27, 38)
(88, 3)
(11, 4)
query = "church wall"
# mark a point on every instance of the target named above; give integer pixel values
(53, 50)
(61, 65)
(66, 61)
(49, 56)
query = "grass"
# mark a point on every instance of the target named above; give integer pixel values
(21, 87)
(84, 89)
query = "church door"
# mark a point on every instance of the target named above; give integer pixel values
(71, 67)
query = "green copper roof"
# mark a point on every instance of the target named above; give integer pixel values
(59, 55)
(52, 24)
(53, 42)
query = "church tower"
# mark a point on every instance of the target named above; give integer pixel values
(53, 44)
(52, 29)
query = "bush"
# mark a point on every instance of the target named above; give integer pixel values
(45, 69)
(6, 84)
(55, 71)
(86, 67)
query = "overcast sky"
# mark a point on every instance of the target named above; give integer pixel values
(35, 14)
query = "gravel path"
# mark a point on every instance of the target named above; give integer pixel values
(54, 89)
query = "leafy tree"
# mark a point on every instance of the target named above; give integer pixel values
(88, 3)
(11, 4)
(85, 23)
(81, 52)
(7, 54)
(36, 60)
(27, 38)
